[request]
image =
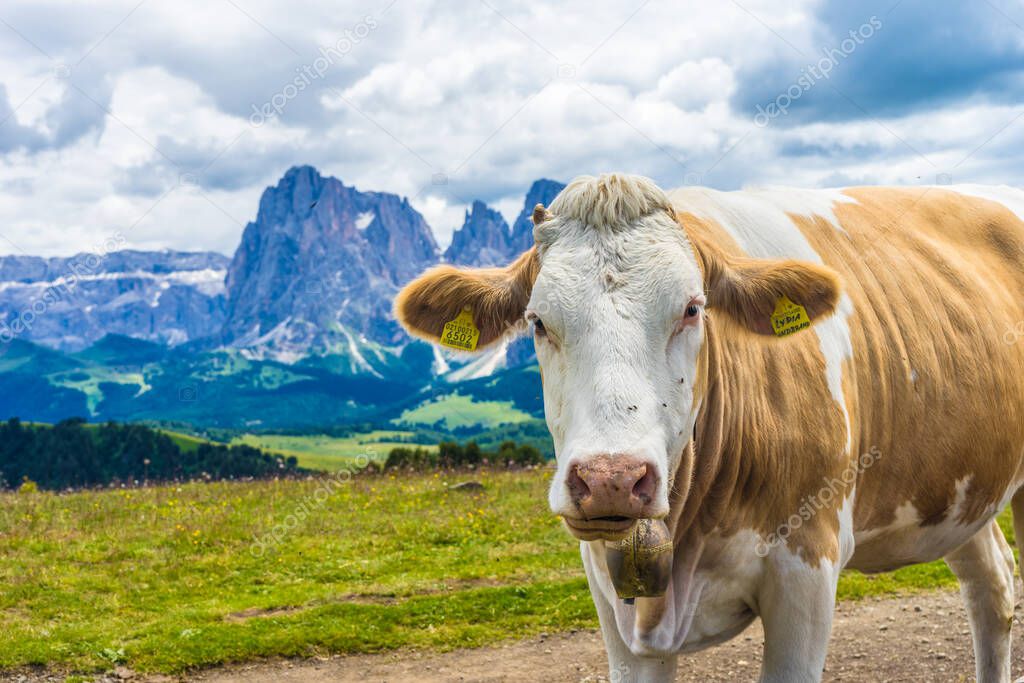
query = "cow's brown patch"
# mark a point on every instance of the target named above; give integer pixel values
(933, 388)
(936, 280)
(769, 432)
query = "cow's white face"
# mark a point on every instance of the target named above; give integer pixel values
(616, 299)
(618, 322)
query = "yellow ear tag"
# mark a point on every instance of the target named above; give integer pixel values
(789, 318)
(461, 333)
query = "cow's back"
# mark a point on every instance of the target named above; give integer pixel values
(927, 351)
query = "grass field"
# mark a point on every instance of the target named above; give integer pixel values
(186, 442)
(329, 453)
(167, 578)
(462, 411)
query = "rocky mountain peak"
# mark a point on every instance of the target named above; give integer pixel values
(542, 191)
(483, 239)
(321, 263)
(315, 275)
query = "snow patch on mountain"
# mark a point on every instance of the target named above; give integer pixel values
(486, 364)
(364, 219)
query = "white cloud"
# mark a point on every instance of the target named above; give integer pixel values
(693, 85)
(444, 217)
(492, 99)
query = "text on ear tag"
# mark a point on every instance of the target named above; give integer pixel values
(789, 318)
(461, 333)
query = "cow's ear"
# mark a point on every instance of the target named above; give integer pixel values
(496, 298)
(765, 295)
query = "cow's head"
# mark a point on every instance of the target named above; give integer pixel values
(615, 294)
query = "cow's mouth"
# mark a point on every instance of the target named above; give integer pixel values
(607, 528)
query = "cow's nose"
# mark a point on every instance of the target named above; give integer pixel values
(613, 485)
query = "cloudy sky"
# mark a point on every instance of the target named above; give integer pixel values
(164, 120)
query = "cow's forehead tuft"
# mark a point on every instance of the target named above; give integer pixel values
(609, 201)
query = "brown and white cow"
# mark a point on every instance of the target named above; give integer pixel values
(890, 432)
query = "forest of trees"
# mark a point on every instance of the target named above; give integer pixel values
(74, 454)
(451, 454)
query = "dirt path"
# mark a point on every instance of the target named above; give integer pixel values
(919, 638)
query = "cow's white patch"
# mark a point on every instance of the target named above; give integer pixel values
(797, 602)
(905, 517)
(759, 221)
(836, 347)
(956, 513)
(984, 566)
(616, 279)
(805, 202)
(720, 603)
(847, 540)
(906, 541)
(709, 600)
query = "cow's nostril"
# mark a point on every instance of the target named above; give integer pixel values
(646, 485)
(578, 488)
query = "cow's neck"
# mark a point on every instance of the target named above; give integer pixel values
(704, 483)
(760, 447)
(707, 482)
(711, 487)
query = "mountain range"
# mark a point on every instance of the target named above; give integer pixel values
(302, 309)
(169, 297)
(485, 238)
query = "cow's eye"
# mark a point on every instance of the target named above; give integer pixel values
(690, 319)
(538, 328)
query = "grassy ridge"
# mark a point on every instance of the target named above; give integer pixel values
(330, 453)
(456, 410)
(167, 578)
(186, 442)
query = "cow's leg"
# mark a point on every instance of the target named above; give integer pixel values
(984, 566)
(623, 665)
(796, 603)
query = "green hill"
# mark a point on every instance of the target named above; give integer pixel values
(130, 380)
